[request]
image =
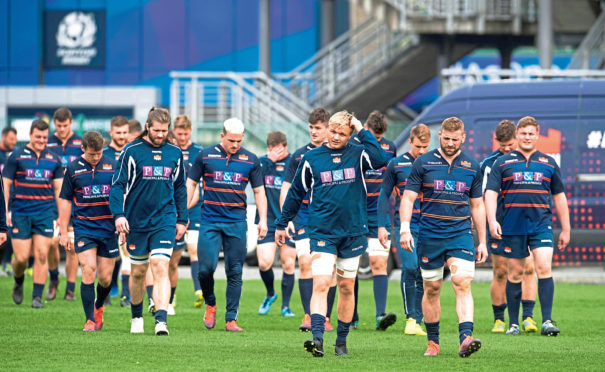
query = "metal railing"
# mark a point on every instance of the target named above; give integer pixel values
(591, 52)
(263, 105)
(452, 78)
(452, 11)
(352, 57)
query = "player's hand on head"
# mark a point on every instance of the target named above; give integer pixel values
(180, 230)
(481, 253)
(355, 123)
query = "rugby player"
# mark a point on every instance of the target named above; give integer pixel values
(86, 184)
(34, 171)
(395, 178)
(7, 145)
(337, 222)
(148, 199)
(67, 146)
(273, 166)
(378, 254)
(119, 132)
(318, 130)
(134, 129)
(225, 168)
(450, 182)
(182, 133)
(505, 137)
(530, 182)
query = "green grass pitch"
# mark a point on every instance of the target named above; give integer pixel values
(52, 338)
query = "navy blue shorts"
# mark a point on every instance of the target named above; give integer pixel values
(518, 246)
(372, 232)
(157, 243)
(270, 238)
(301, 232)
(350, 246)
(26, 226)
(493, 244)
(180, 243)
(106, 247)
(433, 253)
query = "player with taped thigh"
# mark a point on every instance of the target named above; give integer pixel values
(450, 183)
(67, 146)
(337, 224)
(378, 254)
(273, 166)
(86, 184)
(35, 173)
(530, 182)
(394, 182)
(150, 166)
(507, 142)
(225, 169)
(297, 230)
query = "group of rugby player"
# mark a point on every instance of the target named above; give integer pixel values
(325, 204)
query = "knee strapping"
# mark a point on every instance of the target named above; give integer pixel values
(462, 267)
(322, 263)
(347, 267)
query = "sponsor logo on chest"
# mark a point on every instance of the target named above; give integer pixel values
(157, 172)
(528, 177)
(228, 177)
(96, 190)
(449, 185)
(38, 174)
(338, 176)
(274, 181)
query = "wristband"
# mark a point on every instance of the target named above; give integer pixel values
(405, 227)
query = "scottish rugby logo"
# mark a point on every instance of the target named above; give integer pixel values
(76, 36)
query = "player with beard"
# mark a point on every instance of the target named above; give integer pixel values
(148, 200)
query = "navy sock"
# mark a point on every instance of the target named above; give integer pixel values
(54, 274)
(419, 295)
(317, 325)
(355, 294)
(70, 287)
(102, 293)
(342, 331)
(38, 289)
(331, 295)
(172, 290)
(87, 292)
(546, 293)
(115, 273)
(381, 284)
(207, 285)
(513, 299)
(305, 286)
(136, 310)
(287, 286)
(465, 329)
(160, 316)
(125, 285)
(195, 271)
(268, 277)
(19, 279)
(432, 332)
(499, 311)
(149, 290)
(528, 308)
